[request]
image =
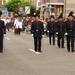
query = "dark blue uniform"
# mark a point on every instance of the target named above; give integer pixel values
(70, 29)
(2, 32)
(61, 31)
(52, 29)
(37, 29)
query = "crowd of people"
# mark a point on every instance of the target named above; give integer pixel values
(17, 24)
(38, 28)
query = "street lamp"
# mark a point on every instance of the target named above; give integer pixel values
(49, 6)
(65, 8)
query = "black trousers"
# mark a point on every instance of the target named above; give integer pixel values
(18, 31)
(1, 43)
(37, 43)
(53, 36)
(70, 39)
(61, 41)
(15, 31)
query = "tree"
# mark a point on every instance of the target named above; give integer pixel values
(13, 6)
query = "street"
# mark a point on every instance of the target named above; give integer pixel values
(19, 59)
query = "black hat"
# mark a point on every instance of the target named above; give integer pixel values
(0, 13)
(52, 16)
(37, 14)
(71, 14)
(60, 16)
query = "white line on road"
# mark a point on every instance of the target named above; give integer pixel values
(7, 38)
(34, 51)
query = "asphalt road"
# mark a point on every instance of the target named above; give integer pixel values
(18, 59)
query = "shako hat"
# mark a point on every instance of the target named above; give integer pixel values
(71, 14)
(60, 16)
(37, 14)
(51, 16)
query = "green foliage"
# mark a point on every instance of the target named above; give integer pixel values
(38, 11)
(13, 6)
(33, 10)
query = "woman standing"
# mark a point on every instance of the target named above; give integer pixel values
(19, 26)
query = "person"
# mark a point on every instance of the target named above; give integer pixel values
(44, 24)
(51, 27)
(11, 23)
(8, 24)
(24, 23)
(37, 30)
(70, 31)
(60, 31)
(2, 32)
(18, 26)
(15, 22)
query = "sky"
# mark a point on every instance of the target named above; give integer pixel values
(38, 0)
(6, 0)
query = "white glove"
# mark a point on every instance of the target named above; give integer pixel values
(48, 31)
(42, 35)
(4, 34)
(32, 35)
(56, 32)
(44, 30)
(66, 34)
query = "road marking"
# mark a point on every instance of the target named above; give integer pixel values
(34, 51)
(7, 38)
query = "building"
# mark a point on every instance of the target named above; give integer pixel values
(55, 7)
(1, 4)
(33, 2)
(70, 6)
(48, 7)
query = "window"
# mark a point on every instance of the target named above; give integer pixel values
(60, 1)
(57, 1)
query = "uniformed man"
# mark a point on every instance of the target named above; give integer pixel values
(60, 31)
(2, 32)
(51, 27)
(37, 29)
(70, 31)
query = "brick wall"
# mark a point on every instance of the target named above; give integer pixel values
(70, 6)
(0, 5)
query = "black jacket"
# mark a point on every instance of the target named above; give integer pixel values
(61, 27)
(37, 29)
(70, 29)
(51, 26)
(2, 28)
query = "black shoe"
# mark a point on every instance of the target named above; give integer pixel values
(58, 46)
(53, 44)
(1, 51)
(39, 51)
(68, 50)
(72, 50)
(35, 50)
(62, 47)
(50, 43)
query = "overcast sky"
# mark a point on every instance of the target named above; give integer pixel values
(38, 0)
(6, 0)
